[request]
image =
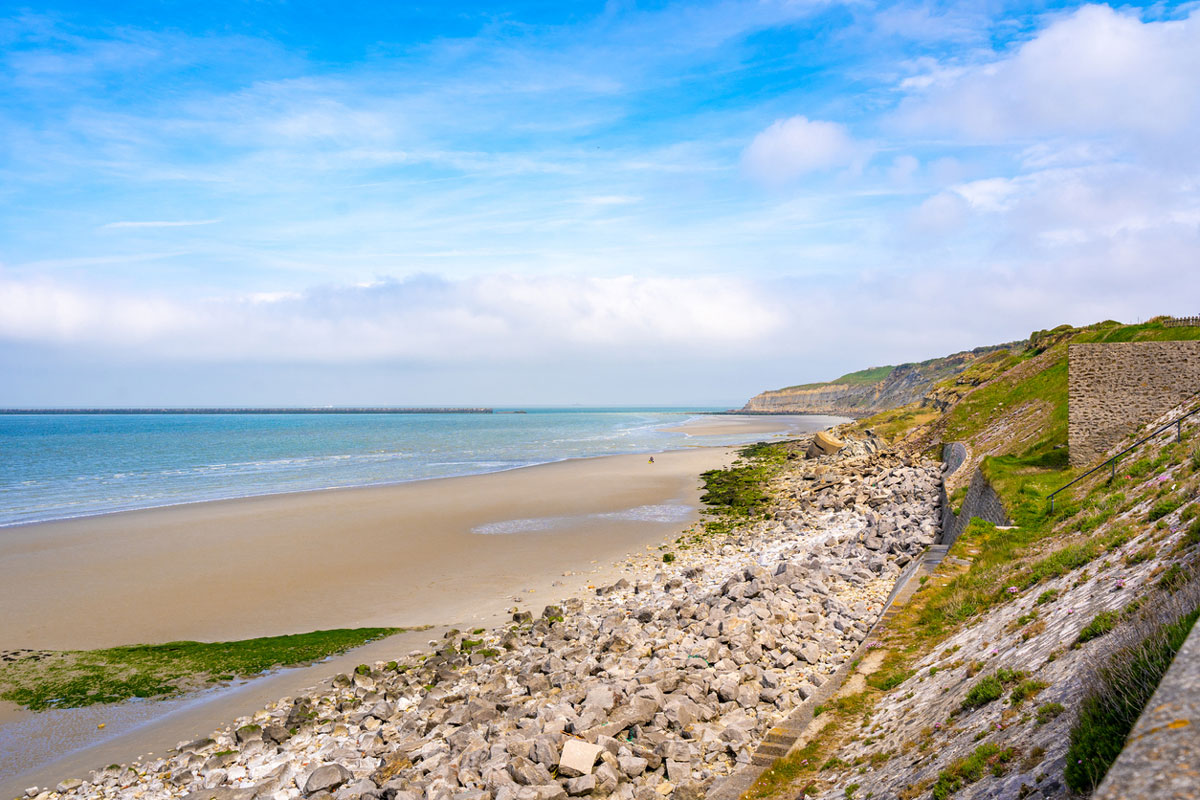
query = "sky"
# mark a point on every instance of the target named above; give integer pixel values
(310, 203)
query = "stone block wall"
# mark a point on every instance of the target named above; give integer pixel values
(1116, 387)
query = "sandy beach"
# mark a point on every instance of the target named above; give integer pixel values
(404, 555)
(399, 555)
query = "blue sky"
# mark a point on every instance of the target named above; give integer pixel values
(309, 203)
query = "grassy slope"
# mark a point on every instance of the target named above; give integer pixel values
(860, 378)
(1015, 406)
(73, 678)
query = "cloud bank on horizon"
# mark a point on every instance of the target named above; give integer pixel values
(663, 203)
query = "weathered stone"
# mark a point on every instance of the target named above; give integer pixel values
(581, 785)
(326, 777)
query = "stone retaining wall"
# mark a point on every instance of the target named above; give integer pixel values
(1116, 387)
(981, 501)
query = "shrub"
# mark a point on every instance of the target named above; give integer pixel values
(983, 692)
(1008, 676)
(1047, 596)
(1101, 624)
(1048, 711)
(668, 558)
(1026, 689)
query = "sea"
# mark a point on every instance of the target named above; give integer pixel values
(57, 466)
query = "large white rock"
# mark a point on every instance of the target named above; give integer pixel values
(578, 758)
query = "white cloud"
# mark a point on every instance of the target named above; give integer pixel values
(424, 319)
(940, 215)
(903, 168)
(1094, 72)
(795, 146)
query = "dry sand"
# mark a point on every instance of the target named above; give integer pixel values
(376, 556)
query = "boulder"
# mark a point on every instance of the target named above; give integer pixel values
(578, 757)
(325, 778)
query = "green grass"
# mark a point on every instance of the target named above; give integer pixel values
(990, 688)
(1109, 710)
(866, 376)
(788, 770)
(75, 678)
(986, 584)
(1066, 559)
(987, 757)
(1101, 624)
(860, 378)
(1163, 507)
(979, 408)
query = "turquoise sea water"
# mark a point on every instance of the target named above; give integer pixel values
(53, 467)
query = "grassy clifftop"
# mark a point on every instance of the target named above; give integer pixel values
(870, 390)
(1010, 409)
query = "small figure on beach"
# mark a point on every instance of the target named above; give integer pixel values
(651, 459)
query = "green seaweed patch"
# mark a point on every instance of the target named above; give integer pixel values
(76, 678)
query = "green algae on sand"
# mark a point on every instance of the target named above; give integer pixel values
(40, 680)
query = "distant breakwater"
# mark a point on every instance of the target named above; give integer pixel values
(381, 410)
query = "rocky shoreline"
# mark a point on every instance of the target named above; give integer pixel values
(655, 686)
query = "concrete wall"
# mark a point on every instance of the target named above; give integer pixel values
(1114, 388)
(981, 501)
(953, 456)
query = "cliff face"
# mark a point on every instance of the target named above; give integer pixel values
(867, 392)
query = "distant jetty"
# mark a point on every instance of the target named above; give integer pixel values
(328, 410)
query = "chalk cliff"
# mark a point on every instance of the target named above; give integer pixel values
(868, 391)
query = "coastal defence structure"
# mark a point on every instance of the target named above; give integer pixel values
(1116, 387)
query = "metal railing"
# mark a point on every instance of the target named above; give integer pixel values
(1112, 462)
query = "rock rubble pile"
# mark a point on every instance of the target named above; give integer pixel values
(653, 687)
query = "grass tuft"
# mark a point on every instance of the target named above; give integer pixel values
(987, 757)
(1119, 690)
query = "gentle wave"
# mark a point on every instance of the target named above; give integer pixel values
(61, 466)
